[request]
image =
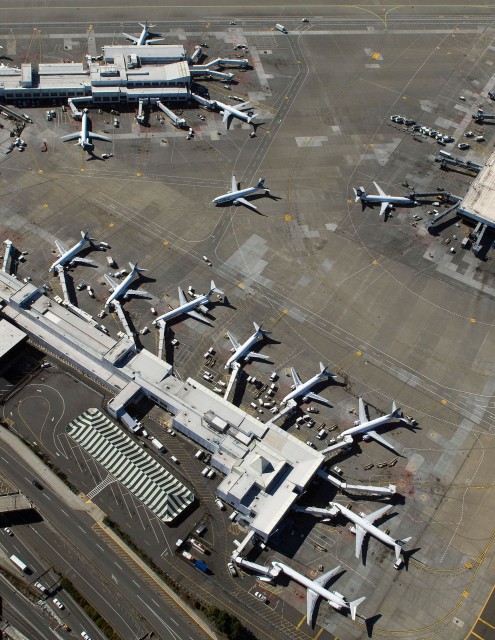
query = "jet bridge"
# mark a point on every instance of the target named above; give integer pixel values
(196, 54)
(176, 121)
(236, 368)
(161, 338)
(355, 488)
(204, 70)
(123, 318)
(481, 117)
(76, 113)
(344, 443)
(445, 161)
(9, 248)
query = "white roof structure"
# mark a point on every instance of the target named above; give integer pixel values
(147, 53)
(479, 201)
(10, 337)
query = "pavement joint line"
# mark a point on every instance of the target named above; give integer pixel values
(157, 581)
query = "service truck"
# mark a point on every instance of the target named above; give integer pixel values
(19, 563)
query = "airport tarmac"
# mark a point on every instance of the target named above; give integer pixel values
(392, 311)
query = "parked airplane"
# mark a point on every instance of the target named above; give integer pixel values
(236, 195)
(386, 202)
(188, 306)
(230, 111)
(316, 589)
(368, 427)
(300, 388)
(121, 290)
(144, 37)
(363, 524)
(242, 351)
(69, 256)
(85, 136)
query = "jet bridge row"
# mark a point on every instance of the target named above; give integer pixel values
(345, 487)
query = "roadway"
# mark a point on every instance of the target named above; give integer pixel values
(130, 604)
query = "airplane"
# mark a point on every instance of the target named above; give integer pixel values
(236, 195)
(386, 202)
(316, 589)
(368, 427)
(229, 111)
(363, 524)
(189, 306)
(85, 136)
(243, 350)
(70, 255)
(121, 289)
(144, 37)
(300, 388)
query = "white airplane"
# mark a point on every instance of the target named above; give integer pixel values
(85, 136)
(144, 37)
(188, 306)
(363, 524)
(368, 427)
(121, 289)
(70, 255)
(316, 589)
(229, 111)
(243, 350)
(236, 195)
(386, 202)
(300, 388)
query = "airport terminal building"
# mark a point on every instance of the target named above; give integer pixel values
(125, 74)
(266, 469)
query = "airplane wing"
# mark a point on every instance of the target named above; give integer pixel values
(383, 207)
(98, 136)
(226, 115)
(311, 598)
(60, 247)
(139, 294)
(378, 438)
(198, 316)
(243, 105)
(235, 344)
(71, 136)
(295, 377)
(246, 203)
(362, 412)
(315, 396)
(381, 192)
(371, 517)
(325, 577)
(83, 261)
(113, 283)
(131, 38)
(253, 354)
(360, 533)
(151, 40)
(182, 297)
(234, 184)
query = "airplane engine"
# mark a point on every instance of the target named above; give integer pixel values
(237, 203)
(336, 606)
(366, 437)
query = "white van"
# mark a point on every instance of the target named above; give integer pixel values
(321, 434)
(199, 454)
(205, 471)
(220, 504)
(174, 459)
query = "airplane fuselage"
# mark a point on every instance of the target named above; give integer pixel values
(303, 388)
(120, 291)
(84, 138)
(233, 195)
(369, 425)
(397, 200)
(69, 255)
(184, 308)
(365, 524)
(233, 111)
(333, 599)
(142, 38)
(243, 349)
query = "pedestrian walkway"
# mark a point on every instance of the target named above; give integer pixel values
(147, 480)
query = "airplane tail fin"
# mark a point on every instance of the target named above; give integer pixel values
(257, 327)
(354, 605)
(398, 546)
(214, 288)
(85, 236)
(359, 193)
(397, 411)
(250, 118)
(323, 369)
(135, 268)
(261, 183)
